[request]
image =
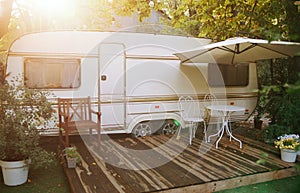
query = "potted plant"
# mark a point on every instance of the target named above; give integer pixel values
(289, 146)
(72, 157)
(24, 114)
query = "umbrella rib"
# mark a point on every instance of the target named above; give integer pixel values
(226, 49)
(248, 48)
(221, 48)
(196, 55)
(237, 51)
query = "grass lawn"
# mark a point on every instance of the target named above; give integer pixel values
(51, 180)
(286, 185)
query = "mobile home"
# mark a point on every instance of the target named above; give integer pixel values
(134, 79)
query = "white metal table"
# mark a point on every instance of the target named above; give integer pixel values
(225, 111)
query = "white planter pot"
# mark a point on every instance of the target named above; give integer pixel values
(71, 162)
(15, 172)
(288, 155)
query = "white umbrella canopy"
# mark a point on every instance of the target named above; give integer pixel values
(239, 50)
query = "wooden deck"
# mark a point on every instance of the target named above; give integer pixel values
(162, 163)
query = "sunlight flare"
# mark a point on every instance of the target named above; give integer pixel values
(56, 8)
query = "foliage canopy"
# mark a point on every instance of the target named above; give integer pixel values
(214, 19)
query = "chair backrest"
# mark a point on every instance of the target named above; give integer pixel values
(189, 108)
(210, 99)
(214, 116)
(75, 109)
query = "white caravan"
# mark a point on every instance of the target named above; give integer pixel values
(134, 79)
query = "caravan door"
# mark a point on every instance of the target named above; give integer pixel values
(111, 89)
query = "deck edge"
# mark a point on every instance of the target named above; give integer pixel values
(236, 182)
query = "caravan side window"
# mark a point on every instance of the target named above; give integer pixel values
(52, 72)
(228, 75)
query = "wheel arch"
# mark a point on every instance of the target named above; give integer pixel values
(153, 117)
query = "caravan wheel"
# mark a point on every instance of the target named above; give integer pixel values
(142, 130)
(169, 128)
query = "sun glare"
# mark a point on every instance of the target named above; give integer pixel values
(56, 8)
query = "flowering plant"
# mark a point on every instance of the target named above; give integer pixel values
(291, 142)
(71, 152)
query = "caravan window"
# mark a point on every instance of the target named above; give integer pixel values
(52, 73)
(228, 75)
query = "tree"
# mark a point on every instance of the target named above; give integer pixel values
(5, 13)
(221, 19)
(215, 19)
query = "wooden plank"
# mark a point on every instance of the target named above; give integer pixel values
(74, 182)
(272, 158)
(235, 182)
(222, 160)
(88, 177)
(199, 166)
(257, 144)
(127, 178)
(182, 161)
(148, 179)
(197, 159)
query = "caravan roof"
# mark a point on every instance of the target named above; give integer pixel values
(85, 42)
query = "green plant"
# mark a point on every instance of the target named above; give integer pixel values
(263, 160)
(282, 102)
(24, 114)
(259, 112)
(290, 142)
(271, 132)
(298, 146)
(71, 152)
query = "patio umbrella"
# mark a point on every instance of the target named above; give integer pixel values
(238, 50)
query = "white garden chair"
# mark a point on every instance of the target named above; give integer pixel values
(192, 115)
